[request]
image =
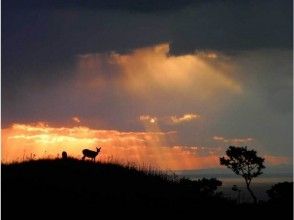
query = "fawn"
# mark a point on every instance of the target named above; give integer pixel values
(91, 154)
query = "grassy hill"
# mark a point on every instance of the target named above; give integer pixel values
(73, 188)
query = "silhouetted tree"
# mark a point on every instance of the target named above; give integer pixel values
(245, 163)
(281, 193)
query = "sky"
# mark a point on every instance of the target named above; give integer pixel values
(165, 83)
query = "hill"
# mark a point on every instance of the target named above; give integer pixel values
(72, 188)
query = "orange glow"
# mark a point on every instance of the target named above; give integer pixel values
(150, 68)
(25, 141)
(146, 72)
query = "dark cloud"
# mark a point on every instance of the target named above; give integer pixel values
(37, 40)
(129, 5)
(42, 36)
(233, 26)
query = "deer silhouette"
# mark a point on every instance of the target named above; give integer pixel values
(91, 154)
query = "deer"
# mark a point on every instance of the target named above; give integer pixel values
(91, 154)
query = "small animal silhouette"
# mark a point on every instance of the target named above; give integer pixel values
(91, 154)
(64, 155)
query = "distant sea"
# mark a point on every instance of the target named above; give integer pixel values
(259, 184)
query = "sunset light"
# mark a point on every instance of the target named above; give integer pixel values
(31, 141)
(22, 141)
(114, 109)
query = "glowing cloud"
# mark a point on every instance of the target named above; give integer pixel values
(146, 72)
(232, 140)
(76, 119)
(150, 68)
(218, 138)
(148, 118)
(169, 119)
(184, 118)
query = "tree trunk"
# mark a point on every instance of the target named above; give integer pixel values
(252, 194)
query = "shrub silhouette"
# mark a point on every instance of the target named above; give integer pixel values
(209, 186)
(204, 187)
(245, 163)
(281, 193)
(236, 189)
(64, 155)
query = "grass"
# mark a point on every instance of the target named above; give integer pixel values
(71, 188)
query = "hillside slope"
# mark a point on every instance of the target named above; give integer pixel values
(73, 188)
